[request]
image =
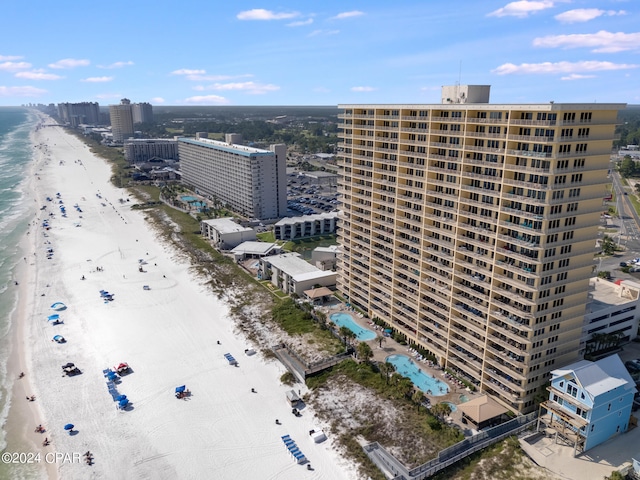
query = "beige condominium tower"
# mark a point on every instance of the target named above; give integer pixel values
(471, 228)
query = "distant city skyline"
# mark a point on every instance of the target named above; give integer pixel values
(299, 53)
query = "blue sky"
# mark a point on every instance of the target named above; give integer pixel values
(208, 52)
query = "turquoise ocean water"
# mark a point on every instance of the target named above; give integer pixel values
(15, 213)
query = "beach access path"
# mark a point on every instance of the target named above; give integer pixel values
(168, 334)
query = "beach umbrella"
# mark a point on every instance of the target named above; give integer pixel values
(181, 389)
(112, 375)
(69, 426)
(58, 338)
(53, 317)
(119, 398)
(123, 403)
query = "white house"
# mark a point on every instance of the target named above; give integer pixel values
(292, 274)
(225, 233)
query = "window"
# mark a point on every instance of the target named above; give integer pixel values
(572, 390)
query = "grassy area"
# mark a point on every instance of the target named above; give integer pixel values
(502, 460)
(297, 321)
(306, 245)
(268, 237)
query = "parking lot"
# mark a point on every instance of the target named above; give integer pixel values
(306, 198)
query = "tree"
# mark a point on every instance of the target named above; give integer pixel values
(418, 397)
(608, 245)
(381, 339)
(364, 352)
(346, 334)
(387, 368)
(627, 167)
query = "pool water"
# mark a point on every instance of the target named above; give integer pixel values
(463, 398)
(425, 382)
(193, 201)
(452, 406)
(346, 320)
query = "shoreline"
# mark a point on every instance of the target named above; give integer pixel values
(168, 335)
(21, 416)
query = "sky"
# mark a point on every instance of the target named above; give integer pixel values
(286, 52)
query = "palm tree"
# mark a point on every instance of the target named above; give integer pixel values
(364, 352)
(387, 368)
(346, 333)
(418, 397)
(381, 339)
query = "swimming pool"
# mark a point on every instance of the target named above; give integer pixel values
(188, 198)
(425, 382)
(463, 398)
(346, 320)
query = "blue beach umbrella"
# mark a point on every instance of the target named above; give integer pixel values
(112, 375)
(69, 426)
(181, 389)
(123, 403)
(119, 398)
(58, 338)
(53, 317)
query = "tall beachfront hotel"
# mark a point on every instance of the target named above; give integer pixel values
(251, 181)
(471, 229)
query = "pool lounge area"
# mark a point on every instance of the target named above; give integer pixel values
(346, 320)
(425, 382)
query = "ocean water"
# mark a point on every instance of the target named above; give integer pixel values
(15, 212)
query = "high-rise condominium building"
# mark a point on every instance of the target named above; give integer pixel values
(121, 121)
(252, 181)
(471, 227)
(75, 114)
(142, 112)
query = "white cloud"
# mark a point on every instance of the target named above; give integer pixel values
(157, 100)
(8, 58)
(97, 79)
(248, 87)
(343, 15)
(324, 33)
(576, 76)
(186, 71)
(117, 65)
(586, 14)
(12, 66)
(207, 100)
(521, 8)
(600, 42)
(38, 75)
(560, 67)
(363, 89)
(21, 91)
(69, 63)
(300, 23)
(262, 14)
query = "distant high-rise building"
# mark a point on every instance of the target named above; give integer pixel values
(142, 112)
(121, 121)
(251, 181)
(470, 229)
(74, 114)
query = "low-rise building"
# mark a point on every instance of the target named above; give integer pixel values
(293, 228)
(612, 309)
(254, 250)
(589, 402)
(225, 233)
(325, 257)
(292, 274)
(139, 150)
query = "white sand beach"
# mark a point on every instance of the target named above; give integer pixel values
(168, 335)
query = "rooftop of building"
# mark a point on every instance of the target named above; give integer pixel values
(307, 218)
(598, 377)
(226, 225)
(254, 248)
(298, 268)
(605, 294)
(549, 106)
(227, 147)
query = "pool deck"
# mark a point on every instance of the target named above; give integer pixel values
(391, 347)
